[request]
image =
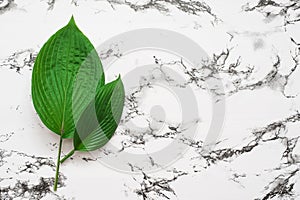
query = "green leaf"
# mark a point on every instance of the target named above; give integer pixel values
(100, 120)
(65, 76)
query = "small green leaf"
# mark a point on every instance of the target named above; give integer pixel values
(100, 120)
(64, 79)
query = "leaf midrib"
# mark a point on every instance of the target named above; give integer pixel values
(68, 85)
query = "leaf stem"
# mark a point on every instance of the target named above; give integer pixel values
(58, 163)
(67, 156)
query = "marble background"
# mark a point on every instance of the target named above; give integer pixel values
(254, 51)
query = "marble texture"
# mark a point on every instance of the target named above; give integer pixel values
(254, 51)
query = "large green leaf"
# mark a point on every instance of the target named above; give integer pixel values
(100, 120)
(64, 79)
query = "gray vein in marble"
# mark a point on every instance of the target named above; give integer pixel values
(152, 188)
(210, 70)
(23, 189)
(271, 132)
(112, 51)
(238, 78)
(274, 79)
(6, 5)
(190, 7)
(288, 10)
(282, 186)
(6, 137)
(19, 60)
(51, 4)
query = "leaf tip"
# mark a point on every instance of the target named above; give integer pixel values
(72, 21)
(119, 80)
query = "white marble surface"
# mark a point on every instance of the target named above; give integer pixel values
(254, 50)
